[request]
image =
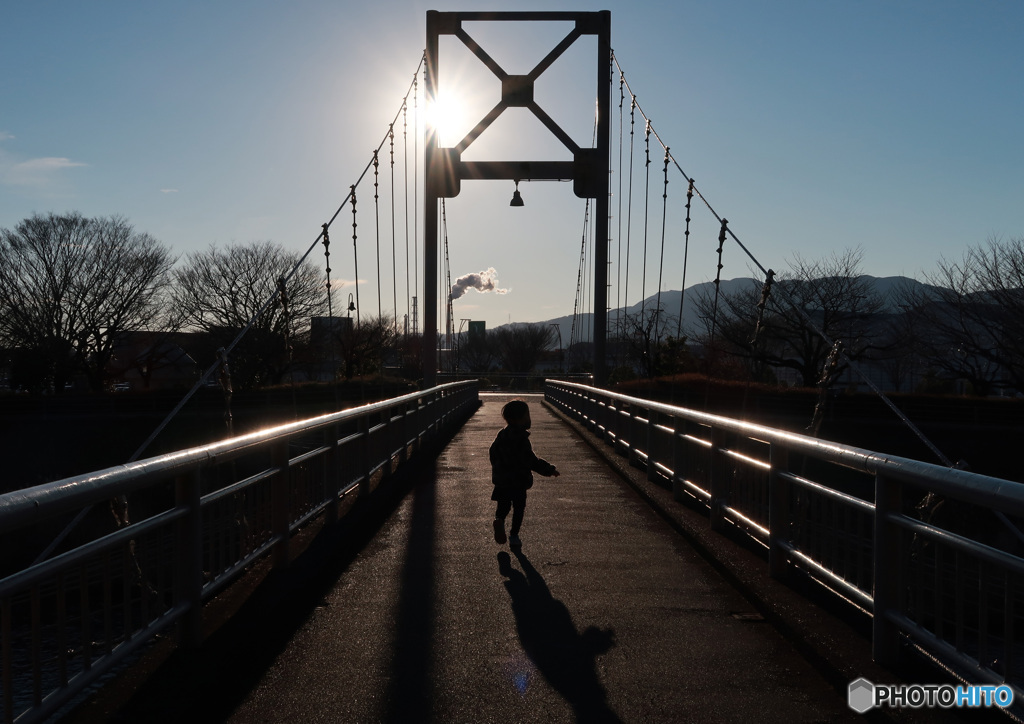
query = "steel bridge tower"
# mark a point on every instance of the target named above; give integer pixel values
(445, 170)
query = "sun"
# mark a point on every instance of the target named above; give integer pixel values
(447, 114)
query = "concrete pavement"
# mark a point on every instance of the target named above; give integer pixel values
(604, 615)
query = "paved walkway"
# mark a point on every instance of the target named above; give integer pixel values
(606, 615)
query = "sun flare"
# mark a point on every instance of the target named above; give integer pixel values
(447, 115)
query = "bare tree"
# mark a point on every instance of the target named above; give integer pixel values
(476, 351)
(364, 346)
(518, 346)
(811, 304)
(970, 320)
(221, 291)
(901, 341)
(639, 338)
(71, 286)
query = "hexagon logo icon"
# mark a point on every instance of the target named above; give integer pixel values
(861, 696)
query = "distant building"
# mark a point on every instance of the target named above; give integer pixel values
(324, 331)
(153, 361)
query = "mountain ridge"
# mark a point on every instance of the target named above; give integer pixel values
(884, 287)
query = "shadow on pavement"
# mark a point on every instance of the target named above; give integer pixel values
(409, 696)
(564, 657)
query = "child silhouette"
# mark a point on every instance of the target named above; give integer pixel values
(513, 463)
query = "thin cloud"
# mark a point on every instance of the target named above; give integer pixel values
(50, 163)
(342, 283)
(168, 191)
(5, 136)
(38, 171)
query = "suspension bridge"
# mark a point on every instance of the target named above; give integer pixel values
(340, 567)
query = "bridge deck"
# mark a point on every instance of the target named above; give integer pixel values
(606, 614)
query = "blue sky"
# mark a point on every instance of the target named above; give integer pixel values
(813, 126)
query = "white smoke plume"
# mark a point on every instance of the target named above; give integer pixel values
(485, 281)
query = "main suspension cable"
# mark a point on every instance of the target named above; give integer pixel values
(780, 290)
(394, 255)
(618, 264)
(355, 252)
(686, 254)
(629, 204)
(376, 216)
(661, 261)
(416, 203)
(220, 363)
(647, 194)
(449, 320)
(405, 158)
(270, 300)
(574, 332)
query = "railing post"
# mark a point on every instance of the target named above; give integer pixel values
(403, 433)
(889, 556)
(426, 420)
(332, 473)
(778, 511)
(188, 546)
(619, 423)
(430, 418)
(417, 424)
(678, 458)
(652, 472)
(387, 447)
(611, 412)
(364, 456)
(631, 434)
(280, 509)
(604, 406)
(719, 484)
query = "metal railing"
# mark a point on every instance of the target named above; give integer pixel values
(513, 383)
(953, 584)
(207, 513)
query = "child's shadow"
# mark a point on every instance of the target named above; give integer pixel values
(563, 656)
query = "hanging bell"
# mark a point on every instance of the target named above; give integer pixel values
(517, 199)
